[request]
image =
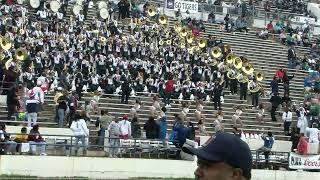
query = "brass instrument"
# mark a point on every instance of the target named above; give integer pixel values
(7, 63)
(242, 78)
(221, 66)
(34, 3)
(230, 58)
(163, 19)
(237, 63)
(22, 31)
(216, 52)
(247, 68)
(55, 6)
(5, 43)
(161, 43)
(231, 74)
(21, 54)
(226, 48)
(259, 76)
(254, 87)
(151, 11)
(103, 39)
(184, 32)
(168, 42)
(191, 50)
(177, 26)
(202, 43)
(189, 38)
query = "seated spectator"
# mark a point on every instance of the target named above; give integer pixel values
(6, 145)
(211, 17)
(35, 140)
(313, 134)
(263, 34)
(270, 27)
(21, 138)
(283, 37)
(302, 147)
(151, 128)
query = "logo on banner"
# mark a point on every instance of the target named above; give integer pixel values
(297, 161)
(170, 4)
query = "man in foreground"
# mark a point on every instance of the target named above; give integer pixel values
(225, 157)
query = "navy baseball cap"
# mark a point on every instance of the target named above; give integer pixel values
(226, 148)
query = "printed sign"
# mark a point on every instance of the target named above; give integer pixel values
(297, 161)
(192, 7)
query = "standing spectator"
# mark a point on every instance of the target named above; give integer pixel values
(211, 17)
(292, 56)
(287, 119)
(125, 127)
(73, 106)
(135, 128)
(32, 109)
(302, 147)
(275, 85)
(151, 128)
(81, 132)
(267, 147)
(114, 133)
(163, 124)
(125, 87)
(275, 101)
(169, 88)
(35, 139)
(104, 123)
(12, 101)
(181, 135)
(62, 108)
(286, 82)
(295, 136)
(302, 122)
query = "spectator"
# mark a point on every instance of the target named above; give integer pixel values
(295, 136)
(35, 140)
(21, 138)
(211, 17)
(104, 123)
(181, 135)
(125, 127)
(302, 122)
(114, 133)
(12, 101)
(287, 119)
(191, 131)
(135, 128)
(81, 132)
(267, 147)
(270, 27)
(62, 108)
(313, 134)
(292, 57)
(6, 145)
(32, 109)
(163, 124)
(302, 147)
(151, 128)
(275, 85)
(264, 34)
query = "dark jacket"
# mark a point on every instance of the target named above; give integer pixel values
(152, 129)
(35, 136)
(182, 132)
(135, 130)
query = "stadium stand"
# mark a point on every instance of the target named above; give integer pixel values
(99, 93)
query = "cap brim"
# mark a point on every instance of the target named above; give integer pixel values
(201, 153)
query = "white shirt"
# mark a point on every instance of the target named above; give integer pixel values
(287, 116)
(313, 135)
(79, 128)
(125, 127)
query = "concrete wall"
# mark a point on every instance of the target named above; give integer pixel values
(111, 168)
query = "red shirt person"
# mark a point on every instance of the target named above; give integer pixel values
(302, 145)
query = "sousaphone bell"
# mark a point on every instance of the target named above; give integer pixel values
(216, 52)
(5, 43)
(151, 11)
(21, 54)
(163, 19)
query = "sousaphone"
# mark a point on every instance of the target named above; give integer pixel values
(216, 52)
(55, 6)
(21, 54)
(5, 43)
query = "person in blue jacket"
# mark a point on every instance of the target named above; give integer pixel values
(163, 124)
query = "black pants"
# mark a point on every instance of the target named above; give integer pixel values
(11, 109)
(125, 97)
(286, 127)
(233, 86)
(255, 99)
(273, 113)
(217, 103)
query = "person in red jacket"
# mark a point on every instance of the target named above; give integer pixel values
(302, 145)
(35, 139)
(169, 88)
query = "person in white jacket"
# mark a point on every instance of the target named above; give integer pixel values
(287, 119)
(302, 122)
(81, 132)
(125, 127)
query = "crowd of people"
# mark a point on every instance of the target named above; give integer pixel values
(127, 57)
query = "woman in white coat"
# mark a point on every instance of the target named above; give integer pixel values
(302, 122)
(81, 132)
